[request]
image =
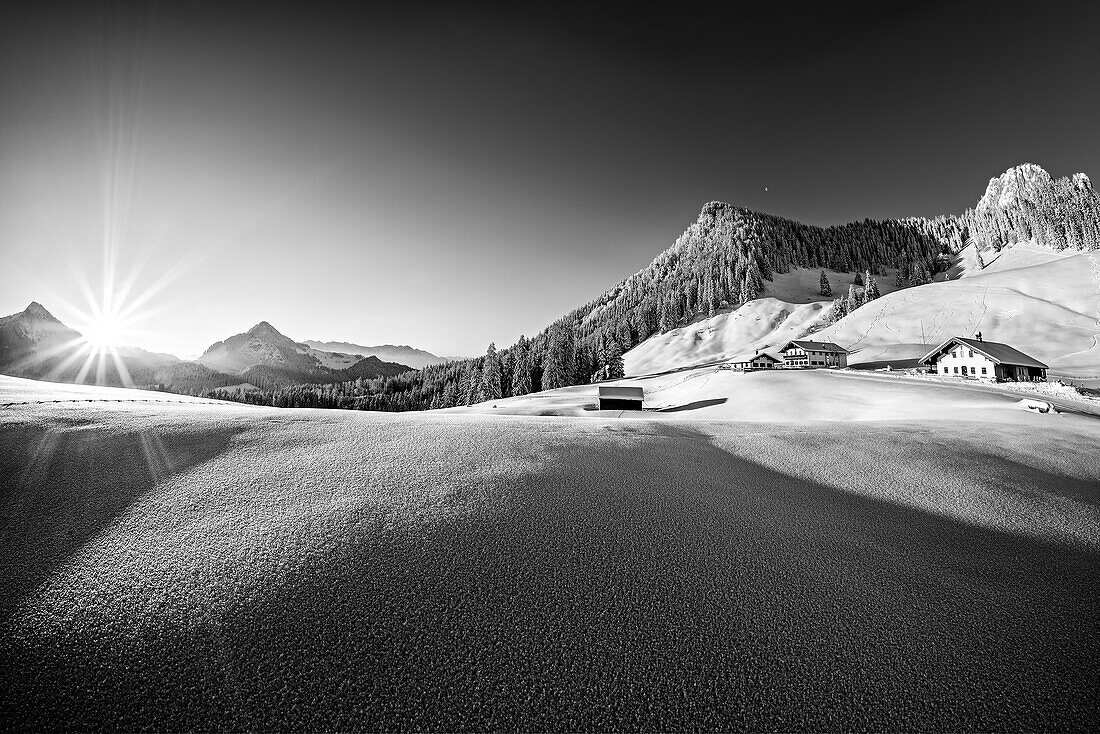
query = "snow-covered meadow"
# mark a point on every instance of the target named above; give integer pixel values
(193, 565)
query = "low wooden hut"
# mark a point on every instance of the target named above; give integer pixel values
(617, 397)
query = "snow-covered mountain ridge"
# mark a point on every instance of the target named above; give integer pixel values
(266, 355)
(402, 353)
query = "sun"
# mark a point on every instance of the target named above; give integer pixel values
(104, 331)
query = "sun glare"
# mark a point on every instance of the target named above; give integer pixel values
(105, 331)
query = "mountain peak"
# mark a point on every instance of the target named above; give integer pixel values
(1019, 182)
(38, 311)
(263, 329)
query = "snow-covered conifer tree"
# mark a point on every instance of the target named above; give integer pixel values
(473, 386)
(870, 290)
(615, 368)
(557, 369)
(490, 375)
(855, 299)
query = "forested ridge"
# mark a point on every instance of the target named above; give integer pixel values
(722, 261)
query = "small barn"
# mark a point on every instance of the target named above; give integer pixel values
(615, 397)
(962, 357)
(749, 362)
(802, 353)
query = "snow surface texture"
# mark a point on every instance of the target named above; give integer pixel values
(1044, 303)
(198, 566)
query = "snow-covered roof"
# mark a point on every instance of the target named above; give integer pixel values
(815, 346)
(620, 392)
(999, 353)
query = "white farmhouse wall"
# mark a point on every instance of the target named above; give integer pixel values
(813, 358)
(965, 361)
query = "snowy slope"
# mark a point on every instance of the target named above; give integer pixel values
(1050, 310)
(1020, 255)
(766, 324)
(790, 307)
(1043, 302)
(803, 285)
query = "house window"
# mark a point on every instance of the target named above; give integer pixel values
(973, 370)
(983, 370)
(956, 370)
(970, 353)
(945, 369)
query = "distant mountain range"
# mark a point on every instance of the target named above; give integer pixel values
(416, 358)
(35, 344)
(265, 357)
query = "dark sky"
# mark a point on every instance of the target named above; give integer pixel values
(446, 176)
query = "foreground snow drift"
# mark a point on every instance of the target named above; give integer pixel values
(177, 566)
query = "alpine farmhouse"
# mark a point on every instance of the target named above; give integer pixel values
(749, 362)
(961, 357)
(803, 353)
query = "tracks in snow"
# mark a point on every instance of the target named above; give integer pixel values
(110, 400)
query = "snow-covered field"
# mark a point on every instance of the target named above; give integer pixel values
(194, 565)
(788, 396)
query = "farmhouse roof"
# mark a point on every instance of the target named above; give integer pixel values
(815, 346)
(999, 353)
